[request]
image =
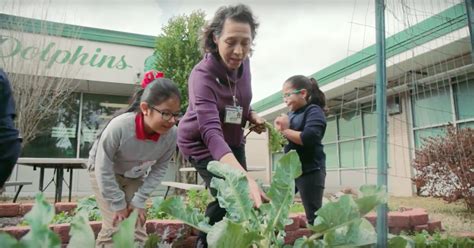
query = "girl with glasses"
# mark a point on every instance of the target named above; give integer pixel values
(132, 153)
(304, 127)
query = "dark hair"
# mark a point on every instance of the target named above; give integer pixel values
(239, 13)
(315, 96)
(156, 92)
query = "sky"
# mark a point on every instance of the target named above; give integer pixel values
(294, 37)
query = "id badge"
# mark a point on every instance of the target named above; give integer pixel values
(233, 114)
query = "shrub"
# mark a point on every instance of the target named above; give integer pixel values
(445, 166)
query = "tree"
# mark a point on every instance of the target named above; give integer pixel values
(41, 78)
(177, 50)
(445, 166)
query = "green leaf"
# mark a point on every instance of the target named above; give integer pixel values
(8, 241)
(41, 214)
(81, 232)
(125, 236)
(304, 242)
(397, 242)
(334, 214)
(282, 191)
(228, 234)
(372, 196)
(89, 204)
(276, 139)
(38, 218)
(358, 233)
(174, 206)
(233, 192)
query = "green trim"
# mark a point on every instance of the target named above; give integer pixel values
(434, 27)
(36, 26)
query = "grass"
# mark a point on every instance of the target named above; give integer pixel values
(454, 217)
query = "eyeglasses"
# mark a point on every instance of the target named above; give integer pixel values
(286, 95)
(165, 115)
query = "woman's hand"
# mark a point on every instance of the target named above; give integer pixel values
(258, 123)
(141, 215)
(120, 215)
(254, 191)
(282, 122)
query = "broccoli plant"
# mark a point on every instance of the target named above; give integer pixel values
(338, 223)
(244, 226)
(341, 223)
(82, 236)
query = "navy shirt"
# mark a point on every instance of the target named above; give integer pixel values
(7, 110)
(311, 122)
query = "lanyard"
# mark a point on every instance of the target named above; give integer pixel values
(234, 98)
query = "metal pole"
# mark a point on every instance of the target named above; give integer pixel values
(381, 107)
(470, 24)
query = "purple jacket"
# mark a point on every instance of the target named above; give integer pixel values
(202, 132)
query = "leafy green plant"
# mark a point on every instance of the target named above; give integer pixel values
(81, 232)
(296, 207)
(276, 139)
(425, 240)
(125, 236)
(39, 235)
(82, 236)
(61, 218)
(243, 225)
(89, 205)
(198, 198)
(341, 223)
(154, 212)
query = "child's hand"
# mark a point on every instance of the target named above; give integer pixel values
(281, 122)
(141, 215)
(120, 215)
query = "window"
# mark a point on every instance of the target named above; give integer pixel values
(351, 154)
(463, 96)
(370, 152)
(350, 125)
(332, 160)
(57, 137)
(97, 110)
(432, 107)
(331, 130)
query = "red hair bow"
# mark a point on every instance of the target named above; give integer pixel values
(150, 76)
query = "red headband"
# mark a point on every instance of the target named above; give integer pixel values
(150, 76)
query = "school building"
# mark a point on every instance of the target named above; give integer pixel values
(105, 66)
(430, 83)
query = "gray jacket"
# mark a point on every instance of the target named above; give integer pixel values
(118, 151)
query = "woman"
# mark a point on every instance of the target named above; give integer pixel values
(219, 101)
